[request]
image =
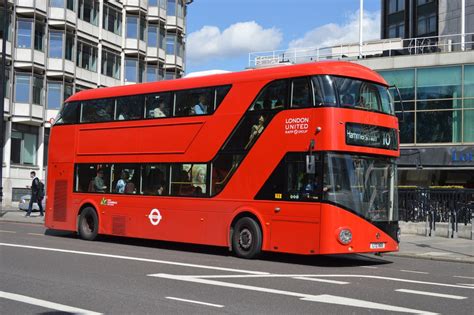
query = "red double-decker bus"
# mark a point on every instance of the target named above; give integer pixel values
(295, 159)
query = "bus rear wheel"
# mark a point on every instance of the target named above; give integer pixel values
(247, 238)
(88, 224)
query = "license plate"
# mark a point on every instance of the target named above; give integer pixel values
(377, 245)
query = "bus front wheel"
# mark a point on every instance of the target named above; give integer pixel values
(247, 238)
(88, 224)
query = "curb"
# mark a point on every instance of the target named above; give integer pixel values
(445, 259)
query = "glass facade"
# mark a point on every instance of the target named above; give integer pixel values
(438, 103)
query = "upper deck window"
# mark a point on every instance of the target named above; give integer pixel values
(274, 96)
(191, 102)
(364, 95)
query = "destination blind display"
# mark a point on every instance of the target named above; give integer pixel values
(371, 136)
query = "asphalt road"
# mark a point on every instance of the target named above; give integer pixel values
(48, 272)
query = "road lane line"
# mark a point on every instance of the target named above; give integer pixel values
(36, 234)
(45, 304)
(468, 284)
(329, 299)
(321, 280)
(463, 277)
(369, 267)
(165, 262)
(3, 231)
(322, 276)
(192, 301)
(447, 296)
(413, 271)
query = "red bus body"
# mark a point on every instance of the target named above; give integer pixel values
(287, 226)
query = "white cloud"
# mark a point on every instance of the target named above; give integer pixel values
(334, 34)
(238, 39)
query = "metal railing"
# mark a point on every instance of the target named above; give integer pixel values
(452, 206)
(370, 49)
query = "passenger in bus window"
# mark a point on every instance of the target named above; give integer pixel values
(99, 185)
(361, 102)
(347, 100)
(199, 181)
(161, 189)
(161, 110)
(122, 182)
(201, 107)
(130, 186)
(256, 130)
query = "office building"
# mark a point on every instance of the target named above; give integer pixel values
(55, 48)
(427, 50)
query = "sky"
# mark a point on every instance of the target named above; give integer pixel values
(222, 33)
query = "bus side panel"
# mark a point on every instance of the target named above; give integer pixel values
(363, 233)
(59, 202)
(295, 228)
(137, 139)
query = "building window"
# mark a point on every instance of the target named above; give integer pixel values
(162, 4)
(438, 126)
(180, 9)
(22, 88)
(152, 3)
(112, 20)
(170, 75)
(152, 36)
(89, 11)
(426, 25)
(151, 73)
(24, 143)
(422, 2)
(55, 44)
(24, 33)
(6, 84)
(54, 95)
(171, 44)
(396, 30)
(86, 56)
(47, 131)
(69, 53)
(134, 70)
(395, 6)
(132, 27)
(171, 8)
(38, 90)
(161, 38)
(2, 22)
(39, 36)
(111, 63)
(439, 83)
(60, 4)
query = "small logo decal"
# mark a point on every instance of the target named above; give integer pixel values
(155, 217)
(108, 202)
(377, 235)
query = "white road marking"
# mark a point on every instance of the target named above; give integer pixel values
(330, 299)
(447, 296)
(36, 234)
(413, 271)
(369, 267)
(3, 231)
(340, 300)
(45, 304)
(463, 277)
(134, 259)
(468, 284)
(192, 301)
(321, 280)
(319, 276)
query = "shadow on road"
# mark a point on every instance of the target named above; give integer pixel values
(338, 261)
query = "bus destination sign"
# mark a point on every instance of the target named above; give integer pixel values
(371, 136)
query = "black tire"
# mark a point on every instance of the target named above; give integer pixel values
(88, 224)
(247, 238)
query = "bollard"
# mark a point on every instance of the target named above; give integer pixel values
(450, 227)
(433, 224)
(455, 225)
(427, 226)
(472, 226)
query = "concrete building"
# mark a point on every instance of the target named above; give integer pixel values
(55, 48)
(427, 50)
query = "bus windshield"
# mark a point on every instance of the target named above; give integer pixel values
(359, 94)
(365, 185)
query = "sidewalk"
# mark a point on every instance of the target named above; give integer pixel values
(414, 246)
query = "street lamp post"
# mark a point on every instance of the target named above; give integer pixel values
(2, 91)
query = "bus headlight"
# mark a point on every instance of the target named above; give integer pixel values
(344, 236)
(399, 235)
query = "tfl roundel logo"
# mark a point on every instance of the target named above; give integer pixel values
(155, 217)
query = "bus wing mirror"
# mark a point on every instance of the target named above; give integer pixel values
(310, 164)
(401, 101)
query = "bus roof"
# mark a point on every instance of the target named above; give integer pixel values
(340, 68)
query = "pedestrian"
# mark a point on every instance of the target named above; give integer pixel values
(37, 194)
